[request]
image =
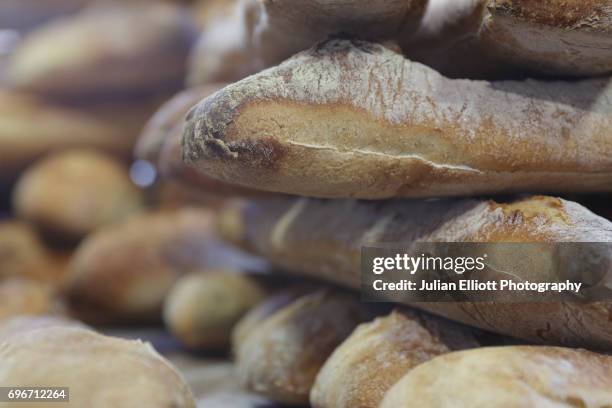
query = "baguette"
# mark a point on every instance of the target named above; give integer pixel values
(73, 193)
(202, 308)
(354, 119)
(553, 37)
(127, 50)
(507, 377)
(323, 239)
(281, 357)
(99, 370)
(124, 271)
(160, 144)
(378, 353)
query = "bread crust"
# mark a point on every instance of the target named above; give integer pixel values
(505, 377)
(378, 353)
(354, 119)
(282, 356)
(323, 239)
(553, 37)
(79, 359)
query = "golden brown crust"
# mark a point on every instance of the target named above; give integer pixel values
(557, 37)
(505, 377)
(79, 359)
(23, 140)
(202, 308)
(125, 270)
(354, 119)
(378, 353)
(323, 239)
(281, 357)
(75, 192)
(20, 297)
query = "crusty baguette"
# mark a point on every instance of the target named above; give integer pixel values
(323, 238)
(125, 270)
(75, 192)
(168, 119)
(160, 144)
(354, 119)
(125, 50)
(281, 357)
(202, 308)
(378, 353)
(507, 377)
(557, 37)
(100, 371)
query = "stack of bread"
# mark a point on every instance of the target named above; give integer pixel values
(405, 121)
(145, 144)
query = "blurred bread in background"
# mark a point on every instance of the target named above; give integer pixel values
(105, 50)
(202, 308)
(20, 296)
(125, 270)
(75, 192)
(24, 255)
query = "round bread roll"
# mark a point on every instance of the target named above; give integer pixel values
(281, 357)
(507, 377)
(26, 297)
(202, 308)
(100, 371)
(75, 192)
(378, 353)
(23, 254)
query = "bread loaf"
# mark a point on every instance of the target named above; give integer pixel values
(98, 370)
(281, 357)
(23, 140)
(24, 255)
(354, 119)
(378, 353)
(124, 271)
(505, 377)
(16, 326)
(168, 120)
(19, 297)
(132, 49)
(554, 37)
(160, 144)
(73, 193)
(202, 308)
(323, 239)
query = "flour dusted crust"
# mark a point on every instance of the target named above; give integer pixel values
(555, 37)
(507, 377)
(378, 353)
(354, 119)
(281, 357)
(323, 239)
(81, 360)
